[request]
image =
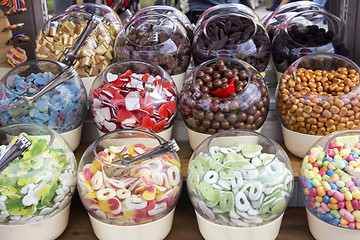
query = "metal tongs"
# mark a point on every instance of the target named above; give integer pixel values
(21, 106)
(20, 145)
(69, 57)
(116, 167)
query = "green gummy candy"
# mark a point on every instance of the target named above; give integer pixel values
(214, 202)
(278, 207)
(207, 191)
(47, 198)
(12, 204)
(196, 166)
(38, 147)
(226, 173)
(251, 150)
(192, 180)
(227, 201)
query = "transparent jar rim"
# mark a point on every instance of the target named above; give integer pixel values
(226, 15)
(61, 66)
(105, 136)
(224, 6)
(101, 7)
(249, 133)
(328, 16)
(166, 8)
(244, 64)
(297, 62)
(32, 125)
(138, 19)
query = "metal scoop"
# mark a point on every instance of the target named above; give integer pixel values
(69, 57)
(21, 106)
(115, 169)
(21, 144)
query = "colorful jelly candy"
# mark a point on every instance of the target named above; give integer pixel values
(328, 189)
(239, 185)
(132, 194)
(125, 102)
(37, 184)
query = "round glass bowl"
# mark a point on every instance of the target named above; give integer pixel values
(62, 109)
(107, 15)
(225, 8)
(158, 39)
(277, 17)
(330, 186)
(59, 35)
(235, 36)
(221, 94)
(129, 199)
(171, 12)
(240, 183)
(37, 184)
(134, 94)
(317, 95)
(308, 32)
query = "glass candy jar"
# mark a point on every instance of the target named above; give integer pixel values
(330, 185)
(37, 183)
(59, 35)
(158, 39)
(107, 15)
(131, 199)
(308, 32)
(317, 95)
(235, 36)
(277, 17)
(221, 94)
(240, 183)
(62, 109)
(134, 94)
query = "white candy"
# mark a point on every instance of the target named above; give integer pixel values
(97, 180)
(241, 202)
(239, 222)
(225, 185)
(159, 208)
(207, 211)
(173, 174)
(255, 191)
(155, 165)
(135, 202)
(132, 101)
(123, 193)
(110, 77)
(256, 161)
(157, 178)
(211, 177)
(237, 181)
(109, 126)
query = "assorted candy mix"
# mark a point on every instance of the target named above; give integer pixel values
(130, 194)
(132, 100)
(329, 190)
(239, 185)
(38, 183)
(61, 109)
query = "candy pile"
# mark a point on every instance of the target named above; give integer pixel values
(134, 101)
(239, 185)
(94, 55)
(130, 195)
(61, 109)
(329, 191)
(37, 184)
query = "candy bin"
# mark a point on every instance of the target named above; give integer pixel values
(239, 182)
(134, 94)
(222, 94)
(225, 8)
(171, 12)
(273, 21)
(317, 95)
(232, 35)
(62, 109)
(59, 35)
(307, 32)
(158, 39)
(329, 184)
(38, 180)
(129, 181)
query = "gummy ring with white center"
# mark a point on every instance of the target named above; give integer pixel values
(123, 193)
(135, 202)
(105, 194)
(241, 202)
(97, 180)
(255, 191)
(173, 175)
(211, 177)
